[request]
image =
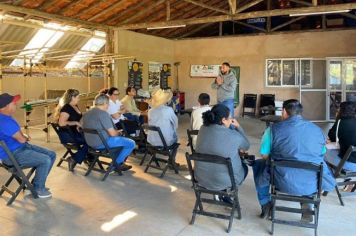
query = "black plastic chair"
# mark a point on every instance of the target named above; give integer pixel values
(267, 106)
(313, 199)
(250, 102)
(107, 152)
(140, 139)
(165, 150)
(232, 192)
(16, 174)
(343, 177)
(71, 148)
(190, 134)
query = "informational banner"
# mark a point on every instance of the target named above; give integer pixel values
(165, 75)
(135, 74)
(154, 69)
(204, 70)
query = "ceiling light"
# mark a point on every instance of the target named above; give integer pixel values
(318, 13)
(166, 27)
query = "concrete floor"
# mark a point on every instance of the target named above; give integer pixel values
(140, 203)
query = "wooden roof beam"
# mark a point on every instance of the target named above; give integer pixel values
(53, 17)
(247, 6)
(69, 6)
(92, 6)
(203, 5)
(232, 4)
(148, 9)
(46, 4)
(128, 11)
(242, 16)
(108, 10)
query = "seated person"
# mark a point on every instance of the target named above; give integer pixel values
(223, 136)
(98, 118)
(116, 109)
(294, 139)
(162, 116)
(67, 114)
(25, 153)
(196, 120)
(345, 129)
(133, 113)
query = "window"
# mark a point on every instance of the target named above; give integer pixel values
(288, 72)
(43, 40)
(86, 52)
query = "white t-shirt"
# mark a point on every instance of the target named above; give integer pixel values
(197, 119)
(113, 108)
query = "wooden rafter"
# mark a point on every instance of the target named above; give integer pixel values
(349, 15)
(196, 30)
(108, 10)
(242, 16)
(232, 4)
(53, 17)
(200, 4)
(315, 2)
(128, 12)
(92, 6)
(287, 23)
(47, 4)
(251, 26)
(141, 13)
(69, 6)
(198, 12)
(168, 10)
(247, 6)
(302, 2)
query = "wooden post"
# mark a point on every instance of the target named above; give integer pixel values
(220, 28)
(88, 77)
(0, 73)
(168, 9)
(269, 20)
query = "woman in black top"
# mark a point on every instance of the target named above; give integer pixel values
(68, 116)
(346, 134)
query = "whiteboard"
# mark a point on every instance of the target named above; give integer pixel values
(204, 70)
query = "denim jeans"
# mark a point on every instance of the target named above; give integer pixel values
(77, 138)
(229, 103)
(332, 157)
(127, 144)
(34, 156)
(132, 117)
(261, 178)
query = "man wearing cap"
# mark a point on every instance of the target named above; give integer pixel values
(25, 154)
(225, 84)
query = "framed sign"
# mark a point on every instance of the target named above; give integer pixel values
(135, 74)
(204, 70)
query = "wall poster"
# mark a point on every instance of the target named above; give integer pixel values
(154, 69)
(204, 70)
(135, 74)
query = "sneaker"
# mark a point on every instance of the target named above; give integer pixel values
(266, 210)
(124, 167)
(28, 192)
(226, 199)
(306, 217)
(44, 194)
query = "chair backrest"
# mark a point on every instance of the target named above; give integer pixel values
(213, 159)
(109, 150)
(57, 128)
(340, 167)
(267, 100)
(318, 169)
(191, 133)
(158, 130)
(129, 125)
(250, 100)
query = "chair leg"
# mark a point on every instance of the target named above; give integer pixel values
(194, 212)
(108, 171)
(153, 157)
(316, 218)
(339, 196)
(90, 168)
(164, 170)
(8, 182)
(143, 158)
(63, 158)
(231, 216)
(238, 208)
(273, 215)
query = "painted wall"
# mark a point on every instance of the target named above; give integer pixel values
(250, 52)
(143, 48)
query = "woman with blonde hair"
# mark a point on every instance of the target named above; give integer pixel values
(69, 116)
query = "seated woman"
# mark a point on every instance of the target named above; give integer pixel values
(223, 136)
(67, 114)
(345, 129)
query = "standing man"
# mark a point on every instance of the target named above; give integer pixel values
(25, 153)
(226, 83)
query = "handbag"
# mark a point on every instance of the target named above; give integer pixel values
(335, 145)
